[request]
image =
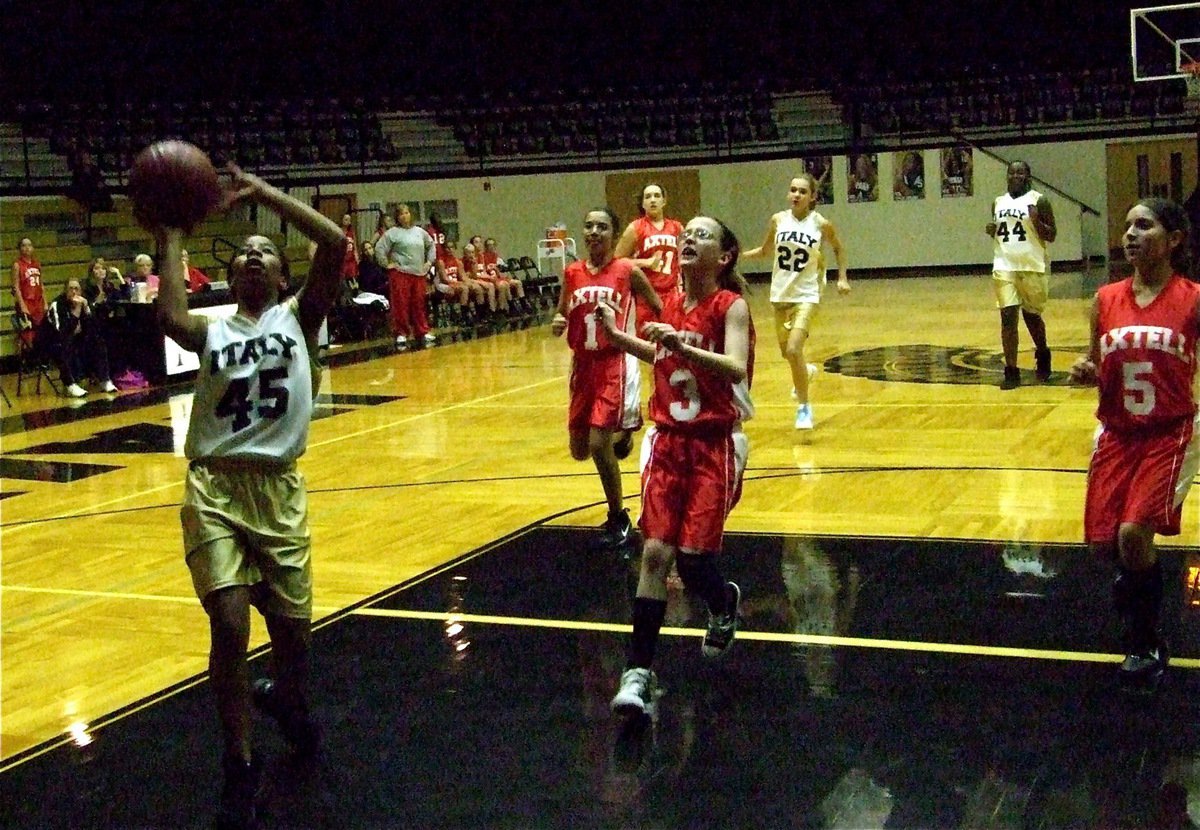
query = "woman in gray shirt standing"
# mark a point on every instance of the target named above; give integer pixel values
(408, 253)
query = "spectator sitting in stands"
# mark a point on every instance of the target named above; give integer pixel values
(197, 280)
(104, 283)
(143, 267)
(79, 349)
(371, 276)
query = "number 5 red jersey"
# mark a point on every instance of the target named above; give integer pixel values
(1147, 355)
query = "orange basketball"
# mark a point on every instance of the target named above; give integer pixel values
(173, 184)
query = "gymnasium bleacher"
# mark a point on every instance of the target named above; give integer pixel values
(329, 139)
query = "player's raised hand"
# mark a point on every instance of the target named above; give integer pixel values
(242, 186)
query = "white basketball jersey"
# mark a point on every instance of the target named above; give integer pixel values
(1017, 245)
(797, 272)
(254, 394)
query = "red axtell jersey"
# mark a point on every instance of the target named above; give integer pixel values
(490, 257)
(349, 262)
(651, 241)
(439, 240)
(453, 267)
(584, 290)
(29, 283)
(1147, 355)
(687, 396)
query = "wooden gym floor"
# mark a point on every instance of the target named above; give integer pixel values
(925, 641)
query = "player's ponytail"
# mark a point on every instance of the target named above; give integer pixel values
(729, 278)
(1173, 217)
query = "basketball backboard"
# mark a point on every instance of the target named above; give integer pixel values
(1163, 39)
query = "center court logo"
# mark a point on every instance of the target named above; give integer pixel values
(924, 363)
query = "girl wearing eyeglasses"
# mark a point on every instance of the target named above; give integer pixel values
(702, 350)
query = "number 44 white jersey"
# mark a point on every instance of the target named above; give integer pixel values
(254, 392)
(1017, 245)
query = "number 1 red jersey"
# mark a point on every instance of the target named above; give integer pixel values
(1147, 355)
(584, 290)
(686, 396)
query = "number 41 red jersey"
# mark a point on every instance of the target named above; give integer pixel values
(584, 290)
(651, 241)
(687, 396)
(1147, 355)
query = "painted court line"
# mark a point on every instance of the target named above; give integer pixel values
(775, 637)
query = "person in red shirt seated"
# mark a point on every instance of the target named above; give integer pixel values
(473, 271)
(490, 255)
(196, 279)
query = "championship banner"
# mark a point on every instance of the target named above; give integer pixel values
(862, 175)
(957, 172)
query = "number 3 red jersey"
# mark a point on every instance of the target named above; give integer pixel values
(1147, 355)
(584, 290)
(690, 397)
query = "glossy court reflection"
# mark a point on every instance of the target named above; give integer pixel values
(876, 682)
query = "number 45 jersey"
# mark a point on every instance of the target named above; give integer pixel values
(254, 392)
(1147, 355)
(688, 397)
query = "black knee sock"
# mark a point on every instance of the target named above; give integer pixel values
(699, 573)
(647, 621)
(1137, 597)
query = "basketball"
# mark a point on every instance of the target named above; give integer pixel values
(173, 184)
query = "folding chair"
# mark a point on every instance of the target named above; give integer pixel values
(34, 363)
(547, 286)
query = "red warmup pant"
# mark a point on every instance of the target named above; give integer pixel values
(406, 294)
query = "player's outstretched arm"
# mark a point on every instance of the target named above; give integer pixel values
(324, 275)
(188, 330)
(768, 245)
(829, 232)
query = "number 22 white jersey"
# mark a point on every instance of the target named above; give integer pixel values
(254, 393)
(797, 275)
